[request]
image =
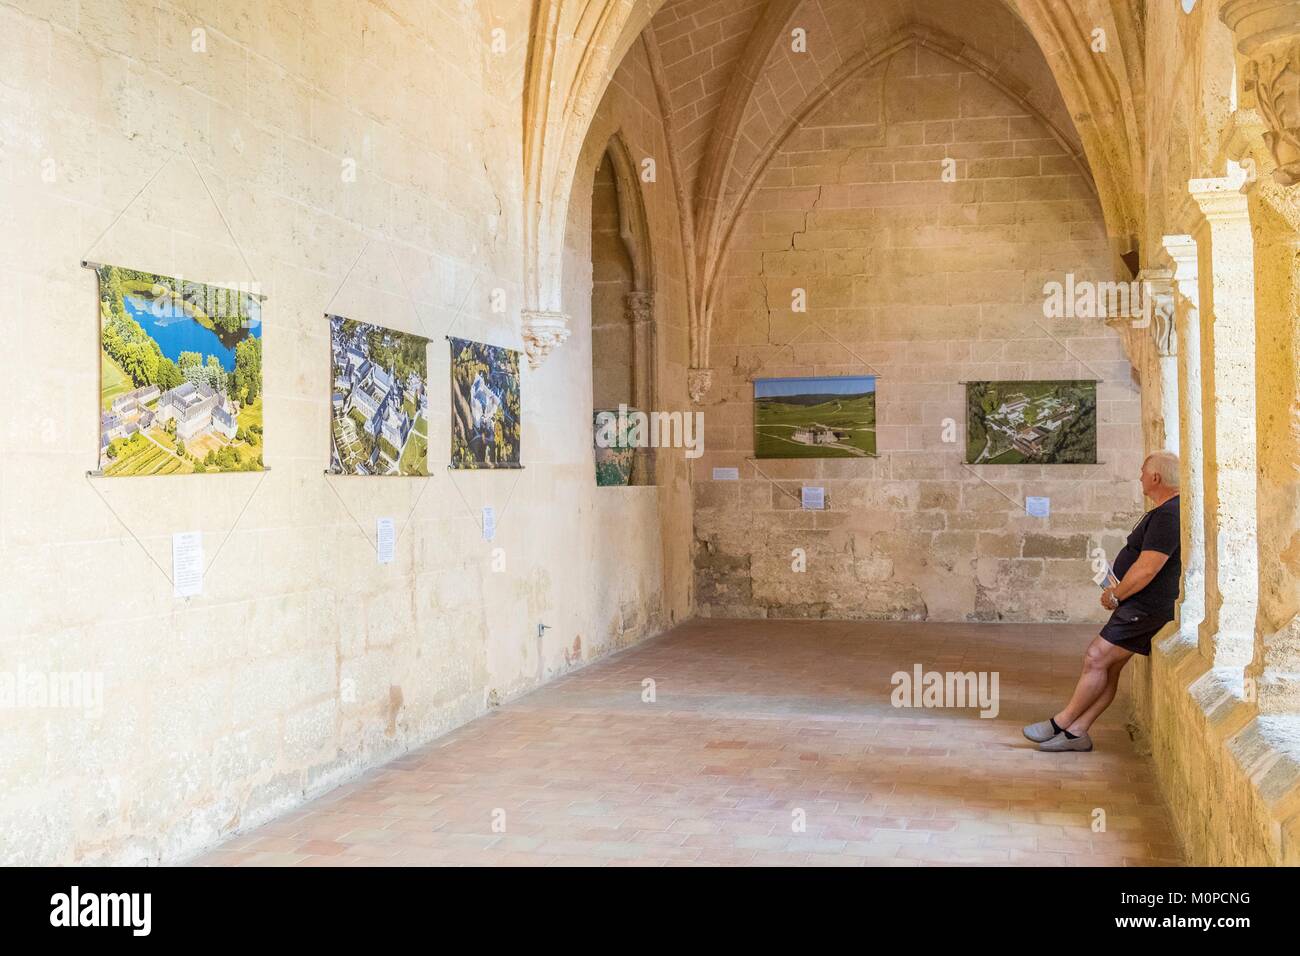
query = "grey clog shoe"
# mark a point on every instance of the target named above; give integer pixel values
(1041, 731)
(1061, 744)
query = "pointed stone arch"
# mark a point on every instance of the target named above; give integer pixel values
(1104, 94)
(721, 211)
(633, 226)
(624, 343)
(574, 49)
(576, 45)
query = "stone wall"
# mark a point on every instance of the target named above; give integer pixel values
(929, 284)
(333, 137)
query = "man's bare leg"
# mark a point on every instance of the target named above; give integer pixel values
(1093, 683)
(1085, 720)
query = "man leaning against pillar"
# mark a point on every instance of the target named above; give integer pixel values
(1141, 600)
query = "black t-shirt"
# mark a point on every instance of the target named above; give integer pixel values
(1157, 530)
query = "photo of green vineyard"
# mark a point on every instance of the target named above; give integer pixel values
(832, 417)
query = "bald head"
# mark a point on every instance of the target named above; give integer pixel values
(1160, 475)
(1165, 464)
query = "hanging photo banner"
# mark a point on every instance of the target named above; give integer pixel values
(485, 426)
(825, 417)
(180, 375)
(1031, 423)
(379, 422)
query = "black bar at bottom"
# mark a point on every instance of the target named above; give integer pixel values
(971, 905)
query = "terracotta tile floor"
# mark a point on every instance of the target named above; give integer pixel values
(753, 721)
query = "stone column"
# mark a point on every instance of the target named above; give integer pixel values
(1226, 277)
(1268, 43)
(1158, 316)
(1276, 666)
(639, 310)
(1166, 342)
(1191, 449)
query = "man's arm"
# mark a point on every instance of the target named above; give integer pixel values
(1146, 567)
(1158, 543)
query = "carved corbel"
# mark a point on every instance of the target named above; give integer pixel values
(1158, 309)
(698, 383)
(542, 332)
(1162, 327)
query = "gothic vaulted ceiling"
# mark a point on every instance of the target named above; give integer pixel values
(733, 85)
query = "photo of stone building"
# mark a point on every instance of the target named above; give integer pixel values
(180, 375)
(196, 410)
(380, 402)
(1031, 422)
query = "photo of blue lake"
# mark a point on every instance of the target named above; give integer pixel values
(177, 333)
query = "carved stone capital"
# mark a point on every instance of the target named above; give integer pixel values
(1181, 250)
(698, 383)
(1244, 131)
(1220, 199)
(1268, 36)
(1158, 307)
(1260, 24)
(640, 306)
(542, 332)
(1162, 327)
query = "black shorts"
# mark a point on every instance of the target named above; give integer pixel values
(1132, 627)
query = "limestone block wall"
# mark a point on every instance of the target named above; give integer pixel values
(929, 284)
(332, 137)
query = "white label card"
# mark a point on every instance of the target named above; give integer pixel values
(814, 499)
(726, 474)
(187, 563)
(387, 540)
(1038, 507)
(489, 523)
